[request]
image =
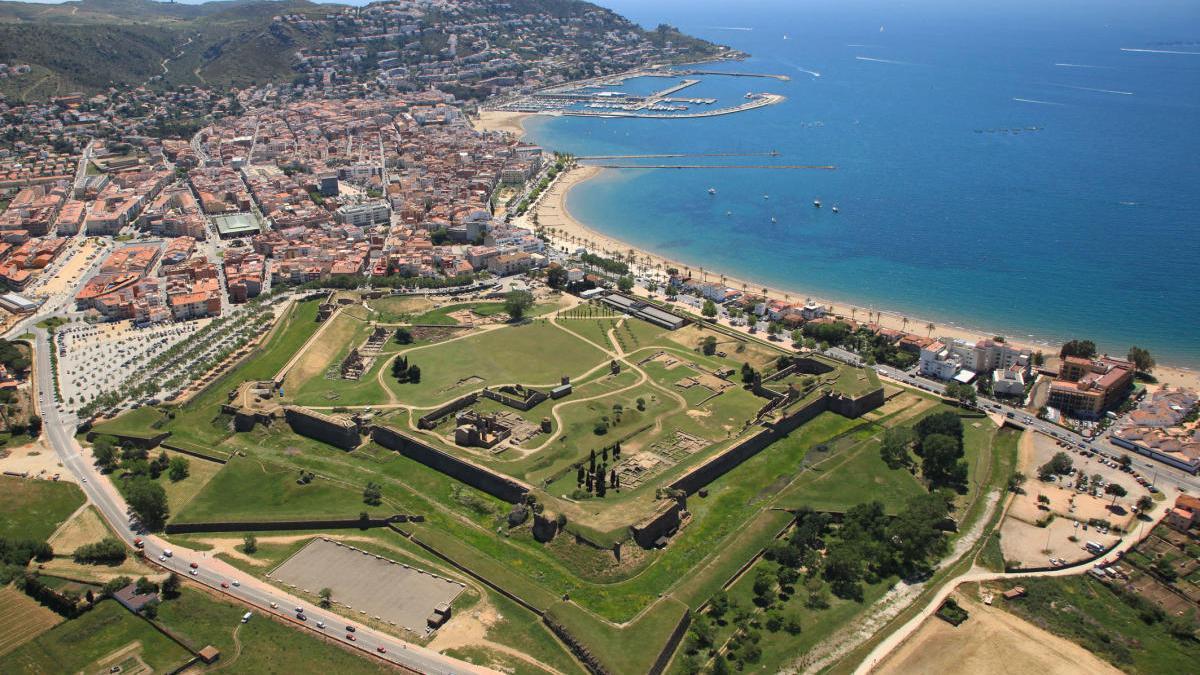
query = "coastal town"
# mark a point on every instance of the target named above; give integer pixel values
(321, 372)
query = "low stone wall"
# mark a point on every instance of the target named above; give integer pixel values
(195, 453)
(430, 420)
(476, 476)
(535, 397)
(668, 650)
(336, 432)
(276, 525)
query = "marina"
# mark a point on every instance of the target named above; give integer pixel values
(601, 97)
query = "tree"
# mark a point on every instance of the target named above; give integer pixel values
(709, 346)
(1116, 491)
(403, 336)
(178, 468)
(894, 449)
(1059, 465)
(516, 303)
(145, 586)
(106, 456)
(1145, 503)
(941, 463)
(1084, 349)
(556, 277)
(1015, 482)
(625, 284)
(719, 605)
(709, 310)
(249, 544)
(961, 391)
(373, 494)
(414, 374)
(170, 586)
(150, 609)
(326, 596)
(149, 501)
(1141, 359)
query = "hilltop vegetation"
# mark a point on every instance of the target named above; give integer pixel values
(89, 45)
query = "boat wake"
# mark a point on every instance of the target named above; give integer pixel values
(898, 63)
(1158, 51)
(1100, 91)
(1082, 65)
(1034, 100)
(741, 28)
(807, 71)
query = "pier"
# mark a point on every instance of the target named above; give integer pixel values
(781, 78)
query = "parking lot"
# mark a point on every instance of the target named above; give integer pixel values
(94, 359)
(368, 584)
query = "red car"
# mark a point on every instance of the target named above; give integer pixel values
(381, 650)
(224, 584)
(193, 566)
(350, 637)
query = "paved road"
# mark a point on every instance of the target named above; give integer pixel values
(60, 430)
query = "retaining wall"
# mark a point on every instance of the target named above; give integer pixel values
(663, 523)
(476, 476)
(535, 397)
(275, 525)
(336, 432)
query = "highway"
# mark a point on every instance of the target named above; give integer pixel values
(211, 572)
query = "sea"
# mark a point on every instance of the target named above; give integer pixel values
(1030, 169)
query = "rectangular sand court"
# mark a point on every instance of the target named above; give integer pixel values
(394, 592)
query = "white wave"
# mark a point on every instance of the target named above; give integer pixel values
(864, 46)
(868, 58)
(809, 72)
(1101, 91)
(1081, 65)
(730, 28)
(1157, 51)
(1034, 100)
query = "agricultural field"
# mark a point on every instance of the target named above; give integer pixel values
(670, 402)
(21, 619)
(87, 527)
(104, 637)
(33, 509)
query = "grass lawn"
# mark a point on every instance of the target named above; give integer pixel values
(33, 509)
(80, 644)
(179, 493)
(536, 354)
(139, 423)
(262, 645)
(616, 647)
(1082, 609)
(248, 489)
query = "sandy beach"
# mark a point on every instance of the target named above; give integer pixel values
(493, 120)
(566, 230)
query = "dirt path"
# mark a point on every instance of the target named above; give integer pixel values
(472, 630)
(237, 651)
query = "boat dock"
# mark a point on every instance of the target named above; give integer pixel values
(781, 78)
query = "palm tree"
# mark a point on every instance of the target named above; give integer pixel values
(929, 327)
(904, 322)
(853, 311)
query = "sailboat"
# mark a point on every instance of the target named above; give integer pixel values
(712, 191)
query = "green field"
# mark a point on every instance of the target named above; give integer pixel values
(1083, 610)
(33, 509)
(261, 645)
(81, 644)
(248, 488)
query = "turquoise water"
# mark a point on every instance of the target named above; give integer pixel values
(1084, 228)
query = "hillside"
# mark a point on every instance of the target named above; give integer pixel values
(89, 45)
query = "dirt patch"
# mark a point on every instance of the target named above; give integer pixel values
(696, 414)
(34, 460)
(85, 528)
(990, 642)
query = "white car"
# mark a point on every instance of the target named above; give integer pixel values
(168, 552)
(235, 582)
(192, 572)
(162, 558)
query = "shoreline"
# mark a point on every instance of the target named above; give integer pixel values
(552, 213)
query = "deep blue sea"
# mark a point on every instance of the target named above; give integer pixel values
(1088, 227)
